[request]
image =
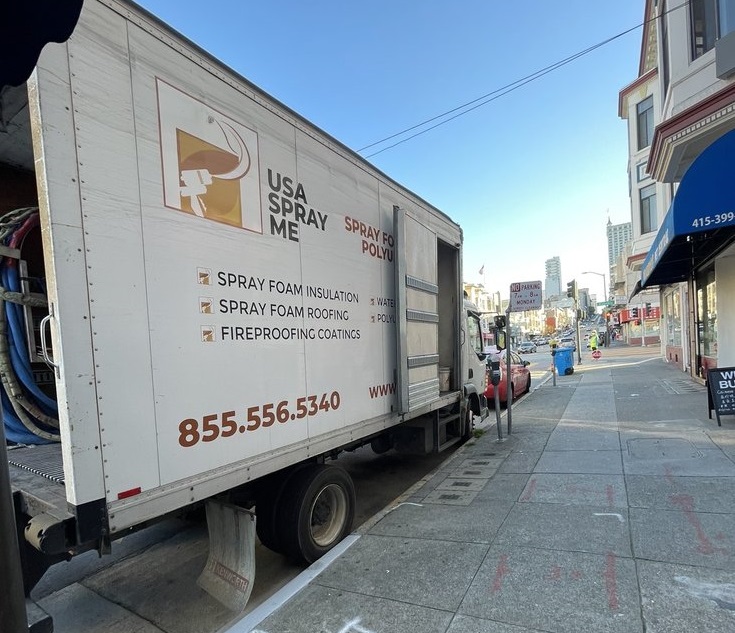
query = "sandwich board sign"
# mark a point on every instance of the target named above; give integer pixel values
(721, 391)
(525, 295)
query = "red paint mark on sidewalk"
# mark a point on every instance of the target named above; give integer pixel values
(686, 503)
(530, 490)
(576, 574)
(610, 492)
(611, 582)
(500, 572)
(555, 573)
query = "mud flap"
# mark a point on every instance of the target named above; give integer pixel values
(230, 570)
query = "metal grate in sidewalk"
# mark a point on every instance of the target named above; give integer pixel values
(681, 386)
(465, 481)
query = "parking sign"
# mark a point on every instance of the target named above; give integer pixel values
(525, 295)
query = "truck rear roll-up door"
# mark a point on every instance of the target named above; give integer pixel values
(418, 319)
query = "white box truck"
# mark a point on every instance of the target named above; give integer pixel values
(207, 299)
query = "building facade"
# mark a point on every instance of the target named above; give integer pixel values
(688, 258)
(552, 285)
(618, 236)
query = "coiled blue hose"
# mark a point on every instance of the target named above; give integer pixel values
(16, 430)
(16, 337)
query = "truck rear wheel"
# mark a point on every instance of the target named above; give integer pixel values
(267, 506)
(315, 511)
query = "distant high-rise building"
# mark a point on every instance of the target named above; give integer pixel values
(618, 235)
(552, 287)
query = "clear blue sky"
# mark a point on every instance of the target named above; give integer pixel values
(528, 176)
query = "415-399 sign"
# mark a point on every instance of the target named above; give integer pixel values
(721, 391)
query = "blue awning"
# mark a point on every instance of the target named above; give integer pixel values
(700, 220)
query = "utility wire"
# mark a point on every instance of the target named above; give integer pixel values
(502, 91)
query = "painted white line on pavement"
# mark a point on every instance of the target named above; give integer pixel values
(610, 514)
(283, 595)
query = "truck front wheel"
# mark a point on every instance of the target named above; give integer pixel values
(315, 511)
(468, 425)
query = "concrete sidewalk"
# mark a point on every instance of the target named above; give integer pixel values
(611, 507)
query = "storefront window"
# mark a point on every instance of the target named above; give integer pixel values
(673, 320)
(707, 312)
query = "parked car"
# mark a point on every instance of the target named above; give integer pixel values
(527, 347)
(520, 378)
(568, 341)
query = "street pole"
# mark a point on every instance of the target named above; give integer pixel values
(607, 323)
(509, 390)
(604, 311)
(576, 321)
(498, 421)
(643, 328)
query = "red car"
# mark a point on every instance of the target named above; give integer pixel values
(520, 378)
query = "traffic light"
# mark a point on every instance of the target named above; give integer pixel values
(500, 321)
(648, 309)
(572, 289)
(634, 313)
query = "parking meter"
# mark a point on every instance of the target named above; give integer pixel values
(495, 372)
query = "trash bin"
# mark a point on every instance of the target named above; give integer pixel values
(564, 361)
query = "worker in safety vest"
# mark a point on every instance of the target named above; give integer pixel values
(593, 341)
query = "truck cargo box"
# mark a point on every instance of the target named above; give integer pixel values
(230, 291)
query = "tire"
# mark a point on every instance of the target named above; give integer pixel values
(528, 385)
(315, 512)
(511, 394)
(267, 504)
(468, 426)
(381, 444)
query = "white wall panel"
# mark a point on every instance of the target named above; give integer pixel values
(113, 241)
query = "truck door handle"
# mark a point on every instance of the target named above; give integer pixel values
(44, 347)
